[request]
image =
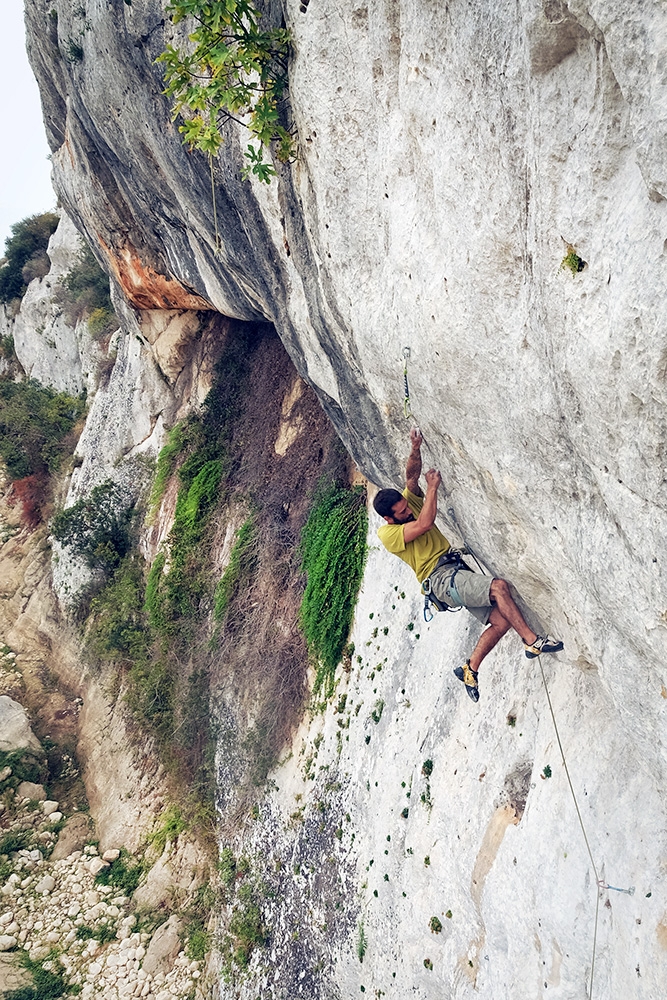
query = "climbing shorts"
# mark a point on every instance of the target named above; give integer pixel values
(470, 590)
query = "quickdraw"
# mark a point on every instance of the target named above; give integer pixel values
(407, 411)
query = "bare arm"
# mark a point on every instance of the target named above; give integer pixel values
(413, 468)
(428, 513)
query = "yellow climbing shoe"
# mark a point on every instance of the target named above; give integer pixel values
(543, 644)
(469, 678)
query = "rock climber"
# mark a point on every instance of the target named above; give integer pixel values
(411, 534)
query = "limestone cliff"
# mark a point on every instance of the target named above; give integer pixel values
(448, 154)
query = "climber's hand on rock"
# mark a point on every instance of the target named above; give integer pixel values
(416, 438)
(433, 479)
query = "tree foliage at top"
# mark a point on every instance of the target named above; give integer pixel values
(26, 245)
(236, 71)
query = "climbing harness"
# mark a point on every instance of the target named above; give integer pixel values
(407, 411)
(453, 557)
(600, 883)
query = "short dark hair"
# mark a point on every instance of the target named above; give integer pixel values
(385, 500)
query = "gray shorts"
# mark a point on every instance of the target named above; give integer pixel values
(471, 588)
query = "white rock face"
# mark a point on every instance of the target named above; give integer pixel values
(47, 346)
(15, 731)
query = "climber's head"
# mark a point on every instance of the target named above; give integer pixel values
(393, 507)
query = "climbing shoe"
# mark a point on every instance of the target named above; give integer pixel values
(543, 644)
(469, 678)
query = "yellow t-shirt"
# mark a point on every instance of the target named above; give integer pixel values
(423, 552)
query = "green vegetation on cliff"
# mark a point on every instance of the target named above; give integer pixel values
(333, 544)
(84, 294)
(38, 430)
(25, 254)
(36, 427)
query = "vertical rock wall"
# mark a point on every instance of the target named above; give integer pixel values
(448, 155)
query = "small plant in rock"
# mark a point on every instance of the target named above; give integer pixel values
(15, 840)
(123, 873)
(227, 867)
(428, 964)
(572, 261)
(546, 773)
(427, 768)
(49, 981)
(362, 943)
(333, 547)
(378, 708)
(435, 925)
(172, 823)
(240, 567)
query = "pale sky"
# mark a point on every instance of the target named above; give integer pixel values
(25, 185)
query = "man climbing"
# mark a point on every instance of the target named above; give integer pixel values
(411, 534)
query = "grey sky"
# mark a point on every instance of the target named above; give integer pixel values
(25, 186)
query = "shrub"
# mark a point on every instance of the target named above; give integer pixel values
(84, 293)
(97, 527)
(15, 840)
(36, 426)
(47, 984)
(7, 350)
(124, 873)
(28, 243)
(242, 560)
(25, 765)
(117, 625)
(333, 546)
(32, 493)
(37, 267)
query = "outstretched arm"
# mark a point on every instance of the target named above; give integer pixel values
(414, 464)
(428, 513)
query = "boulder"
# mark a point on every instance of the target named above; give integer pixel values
(73, 836)
(15, 731)
(49, 807)
(46, 884)
(30, 790)
(163, 948)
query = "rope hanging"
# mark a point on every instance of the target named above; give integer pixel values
(599, 883)
(218, 242)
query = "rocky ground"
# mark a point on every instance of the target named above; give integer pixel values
(57, 911)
